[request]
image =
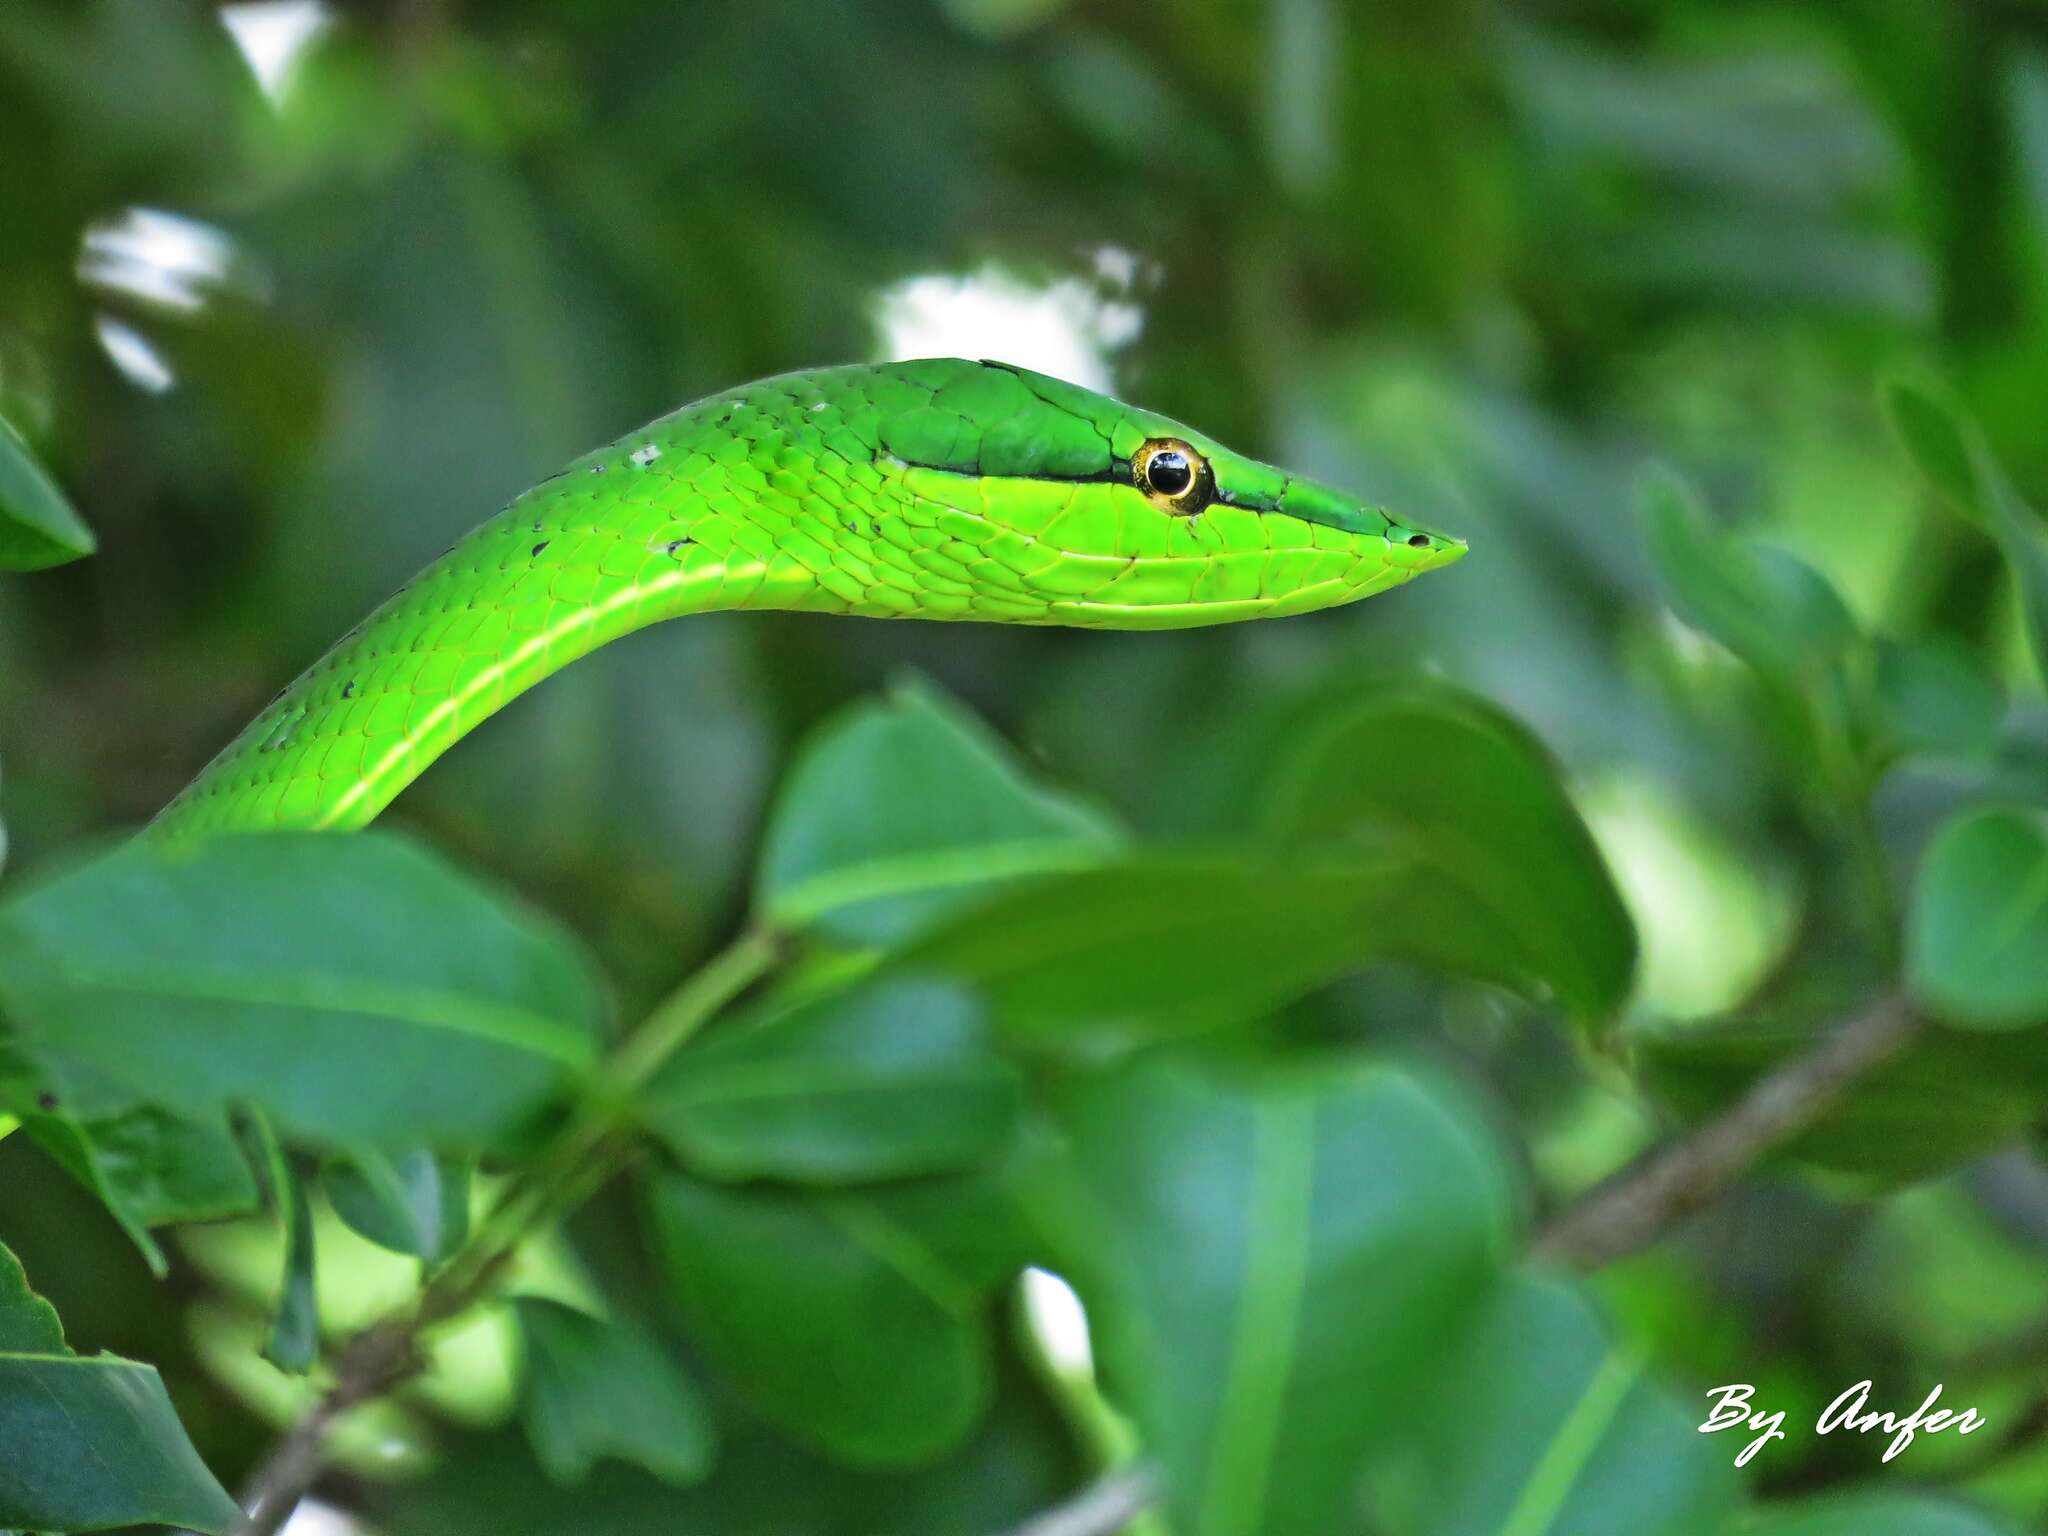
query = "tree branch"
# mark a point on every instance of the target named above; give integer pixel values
(374, 1362)
(1633, 1208)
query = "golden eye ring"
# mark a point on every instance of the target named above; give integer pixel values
(1174, 476)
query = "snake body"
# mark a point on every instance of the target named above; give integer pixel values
(938, 489)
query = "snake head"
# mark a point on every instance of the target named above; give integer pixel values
(1117, 517)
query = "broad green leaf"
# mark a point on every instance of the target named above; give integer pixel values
(1950, 452)
(1872, 1514)
(597, 1390)
(149, 1169)
(37, 526)
(1168, 944)
(854, 1321)
(413, 1203)
(1945, 1100)
(1540, 1424)
(1272, 1271)
(891, 1079)
(1977, 935)
(899, 811)
(358, 989)
(90, 1442)
(1448, 781)
(1934, 696)
(1767, 607)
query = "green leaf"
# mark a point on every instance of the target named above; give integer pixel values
(1950, 452)
(149, 1169)
(414, 1203)
(37, 526)
(1272, 1271)
(169, 1171)
(1872, 1514)
(1455, 785)
(359, 990)
(891, 1079)
(1934, 696)
(28, 1324)
(1977, 934)
(90, 1442)
(852, 1321)
(1020, 1460)
(1169, 944)
(901, 810)
(294, 1341)
(2027, 96)
(1942, 444)
(597, 1390)
(1774, 611)
(1539, 1423)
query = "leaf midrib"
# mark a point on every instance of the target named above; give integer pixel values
(1262, 1349)
(427, 1008)
(1564, 1457)
(930, 870)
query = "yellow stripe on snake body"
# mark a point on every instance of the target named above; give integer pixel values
(938, 489)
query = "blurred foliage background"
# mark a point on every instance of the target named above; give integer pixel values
(284, 333)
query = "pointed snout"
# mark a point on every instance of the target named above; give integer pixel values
(1418, 549)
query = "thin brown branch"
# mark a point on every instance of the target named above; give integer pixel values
(1632, 1209)
(378, 1360)
(374, 1362)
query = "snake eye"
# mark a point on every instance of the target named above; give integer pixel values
(1175, 476)
(1169, 473)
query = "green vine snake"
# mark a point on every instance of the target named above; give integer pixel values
(939, 489)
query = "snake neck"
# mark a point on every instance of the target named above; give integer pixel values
(601, 550)
(459, 643)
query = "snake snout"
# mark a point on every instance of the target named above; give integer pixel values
(1420, 549)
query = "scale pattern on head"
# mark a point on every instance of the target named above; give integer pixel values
(939, 489)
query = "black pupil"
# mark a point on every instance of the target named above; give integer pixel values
(1170, 472)
(1418, 540)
